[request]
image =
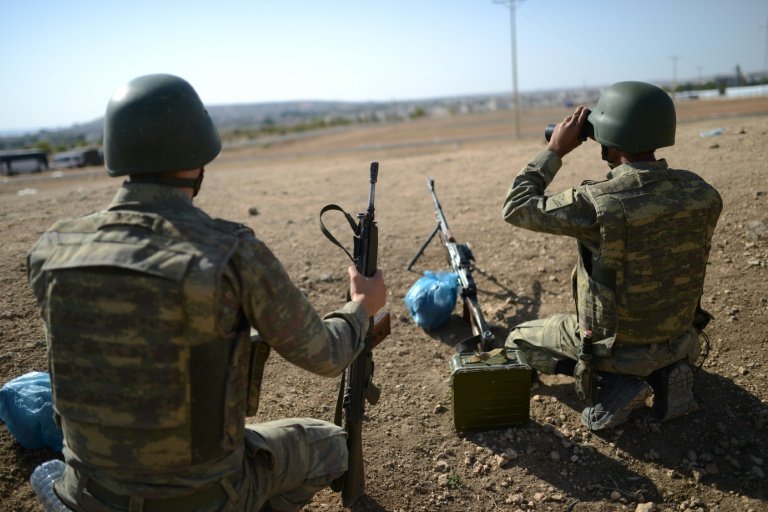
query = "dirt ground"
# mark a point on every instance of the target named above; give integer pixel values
(713, 459)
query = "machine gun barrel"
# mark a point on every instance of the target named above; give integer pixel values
(461, 260)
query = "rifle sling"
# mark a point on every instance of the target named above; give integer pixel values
(337, 418)
(328, 234)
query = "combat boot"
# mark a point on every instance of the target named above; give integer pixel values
(672, 391)
(619, 395)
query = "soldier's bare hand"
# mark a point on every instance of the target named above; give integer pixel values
(565, 138)
(370, 292)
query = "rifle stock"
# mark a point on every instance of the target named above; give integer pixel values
(381, 327)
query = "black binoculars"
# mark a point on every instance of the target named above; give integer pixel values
(586, 131)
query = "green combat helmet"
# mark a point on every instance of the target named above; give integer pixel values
(634, 117)
(156, 124)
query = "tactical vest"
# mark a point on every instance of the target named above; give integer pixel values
(148, 350)
(645, 282)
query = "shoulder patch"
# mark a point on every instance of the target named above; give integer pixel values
(556, 201)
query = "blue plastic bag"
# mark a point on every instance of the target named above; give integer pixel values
(26, 408)
(432, 298)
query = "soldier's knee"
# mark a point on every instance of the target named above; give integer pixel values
(327, 450)
(514, 341)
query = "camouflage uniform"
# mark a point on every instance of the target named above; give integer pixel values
(643, 242)
(148, 307)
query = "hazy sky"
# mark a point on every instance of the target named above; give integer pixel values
(62, 59)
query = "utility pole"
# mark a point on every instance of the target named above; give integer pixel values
(674, 72)
(765, 54)
(515, 94)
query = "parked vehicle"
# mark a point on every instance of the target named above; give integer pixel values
(77, 158)
(17, 161)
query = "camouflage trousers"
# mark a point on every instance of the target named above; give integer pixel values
(550, 340)
(287, 461)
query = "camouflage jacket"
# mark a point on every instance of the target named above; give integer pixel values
(148, 307)
(643, 236)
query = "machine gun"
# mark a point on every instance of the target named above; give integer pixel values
(357, 385)
(462, 260)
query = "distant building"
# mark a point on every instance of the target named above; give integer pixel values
(77, 158)
(16, 161)
(747, 91)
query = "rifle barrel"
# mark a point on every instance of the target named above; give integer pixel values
(372, 193)
(447, 234)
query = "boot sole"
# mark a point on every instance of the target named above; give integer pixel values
(621, 415)
(680, 400)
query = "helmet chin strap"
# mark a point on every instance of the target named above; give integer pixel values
(198, 182)
(604, 155)
(172, 181)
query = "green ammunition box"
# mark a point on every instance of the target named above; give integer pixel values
(490, 390)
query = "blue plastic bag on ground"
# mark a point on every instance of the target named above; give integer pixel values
(26, 408)
(432, 298)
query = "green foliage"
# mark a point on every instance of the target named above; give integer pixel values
(721, 88)
(270, 127)
(46, 140)
(44, 145)
(423, 448)
(454, 481)
(417, 113)
(719, 84)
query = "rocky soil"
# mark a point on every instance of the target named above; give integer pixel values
(712, 460)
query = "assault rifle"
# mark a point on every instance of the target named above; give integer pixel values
(462, 260)
(357, 386)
